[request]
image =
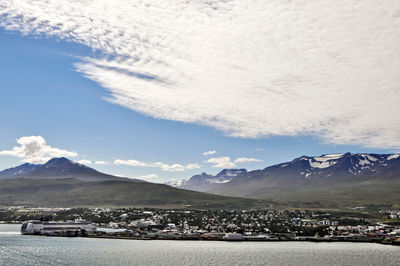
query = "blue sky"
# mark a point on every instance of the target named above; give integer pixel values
(49, 88)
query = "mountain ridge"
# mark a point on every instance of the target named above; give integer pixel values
(326, 180)
(204, 181)
(58, 168)
(18, 170)
(64, 183)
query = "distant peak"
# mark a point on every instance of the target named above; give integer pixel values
(232, 172)
(58, 161)
(26, 164)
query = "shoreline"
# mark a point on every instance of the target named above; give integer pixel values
(382, 242)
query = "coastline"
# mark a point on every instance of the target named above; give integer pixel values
(318, 240)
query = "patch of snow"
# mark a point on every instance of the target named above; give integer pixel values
(327, 157)
(219, 180)
(223, 181)
(177, 182)
(325, 160)
(231, 174)
(364, 161)
(322, 164)
(284, 165)
(369, 157)
(393, 156)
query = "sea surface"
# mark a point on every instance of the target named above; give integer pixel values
(16, 249)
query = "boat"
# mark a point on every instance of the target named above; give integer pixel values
(68, 228)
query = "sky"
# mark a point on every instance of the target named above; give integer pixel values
(163, 90)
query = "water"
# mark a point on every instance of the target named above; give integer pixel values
(16, 249)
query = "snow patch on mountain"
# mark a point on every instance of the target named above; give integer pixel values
(324, 161)
(369, 157)
(327, 157)
(321, 164)
(364, 161)
(217, 181)
(393, 156)
(177, 183)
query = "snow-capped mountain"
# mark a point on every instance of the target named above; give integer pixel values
(326, 180)
(317, 173)
(328, 165)
(205, 182)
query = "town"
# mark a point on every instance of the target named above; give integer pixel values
(245, 225)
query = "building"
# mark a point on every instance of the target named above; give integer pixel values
(77, 228)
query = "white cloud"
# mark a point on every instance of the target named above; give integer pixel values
(150, 176)
(192, 166)
(163, 166)
(101, 162)
(209, 153)
(221, 162)
(247, 160)
(259, 149)
(34, 149)
(170, 168)
(251, 69)
(87, 162)
(129, 162)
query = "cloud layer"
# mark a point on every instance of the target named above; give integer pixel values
(149, 176)
(323, 68)
(247, 160)
(226, 162)
(221, 162)
(34, 149)
(163, 166)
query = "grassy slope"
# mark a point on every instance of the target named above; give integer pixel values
(72, 193)
(370, 192)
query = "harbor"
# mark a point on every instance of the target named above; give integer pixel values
(235, 226)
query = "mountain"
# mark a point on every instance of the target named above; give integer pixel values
(57, 168)
(112, 193)
(63, 183)
(331, 180)
(205, 182)
(19, 170)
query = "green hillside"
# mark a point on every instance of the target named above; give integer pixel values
(376, 192)
(74, 193)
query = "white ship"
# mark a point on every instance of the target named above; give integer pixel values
(70, 228)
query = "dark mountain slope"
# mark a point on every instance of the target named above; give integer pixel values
(60, 168)
(19, 170)
(206, 182)
(63, 183)
(73, 193)
(333, 180)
